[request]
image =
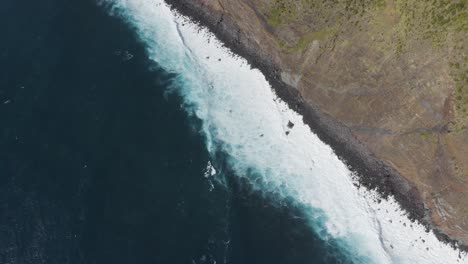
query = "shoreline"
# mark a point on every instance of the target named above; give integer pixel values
(371, 172)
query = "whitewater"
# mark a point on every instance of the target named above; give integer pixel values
(243, 118)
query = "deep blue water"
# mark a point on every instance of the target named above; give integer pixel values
(98, 164)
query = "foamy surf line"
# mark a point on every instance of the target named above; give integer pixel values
(269, 143)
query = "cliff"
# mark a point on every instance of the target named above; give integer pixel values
(385, 83)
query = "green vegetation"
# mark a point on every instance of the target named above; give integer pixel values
(443, 23)
(428, 19)
(460, 73)
(321, 35)
(317, 19)
(319, 12)
(280, 12)
(274, 17)
(425, 135)
(432, 20)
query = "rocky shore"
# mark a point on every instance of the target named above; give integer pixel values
(372, 172)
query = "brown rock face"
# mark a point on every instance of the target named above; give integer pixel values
(394, 72)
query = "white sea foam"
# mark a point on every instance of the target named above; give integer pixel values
(210, 171)
(243, 117)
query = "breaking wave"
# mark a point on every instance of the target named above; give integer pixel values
(268, 144)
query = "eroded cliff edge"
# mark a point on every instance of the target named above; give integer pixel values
(382, 81)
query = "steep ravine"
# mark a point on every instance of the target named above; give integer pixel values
(384, 82)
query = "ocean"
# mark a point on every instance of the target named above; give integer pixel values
(130, 135)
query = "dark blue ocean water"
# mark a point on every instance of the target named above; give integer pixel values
(98, 164)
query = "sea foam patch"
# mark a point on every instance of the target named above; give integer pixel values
(269, 144)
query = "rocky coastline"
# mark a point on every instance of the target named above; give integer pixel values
(372, 173)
